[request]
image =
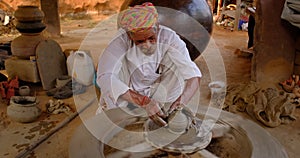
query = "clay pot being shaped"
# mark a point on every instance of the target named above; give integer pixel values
(29, 13)
(191, 19)
(24, 46)
(23, 109)
(178, 122)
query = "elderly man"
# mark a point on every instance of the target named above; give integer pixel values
(146, 65)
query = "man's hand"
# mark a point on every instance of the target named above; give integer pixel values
(190, 89)
(155, 112)
(174, 106)
(152, 107)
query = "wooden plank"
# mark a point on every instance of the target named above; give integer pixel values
(51, 62)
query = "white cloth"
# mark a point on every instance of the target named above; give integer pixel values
(161, 76)
(291, 12)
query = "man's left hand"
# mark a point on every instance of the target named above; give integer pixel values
(175, 105)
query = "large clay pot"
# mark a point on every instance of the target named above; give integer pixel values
(32, 27)
(23, 109)
(24, 46)
(196, 36)
(28, 13)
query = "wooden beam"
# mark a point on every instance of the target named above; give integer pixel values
(237, 15)
(52, 19)
(218, 7)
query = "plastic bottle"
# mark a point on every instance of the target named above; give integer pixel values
(81, 68)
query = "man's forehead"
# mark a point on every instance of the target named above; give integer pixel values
(142, 35)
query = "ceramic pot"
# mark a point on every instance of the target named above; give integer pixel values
(28, 13)
(196, 36)
(24, 46)
(178, 122)
(218, 92)
(24, 91)
(217, 87)
(23, 109)
(32, 27)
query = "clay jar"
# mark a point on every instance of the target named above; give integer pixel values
(28, 13)
(178, 121)
(217, 86)
(24, 46)
(23, 109)
(32, 27)
(29, 19)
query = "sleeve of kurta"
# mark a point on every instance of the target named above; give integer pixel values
(109, 66)
(179, 54)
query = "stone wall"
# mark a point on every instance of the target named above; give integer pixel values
(274, 44)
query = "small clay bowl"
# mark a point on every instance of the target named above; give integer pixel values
(24, 91)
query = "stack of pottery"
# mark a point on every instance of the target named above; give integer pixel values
(30, 25)
(23, 47)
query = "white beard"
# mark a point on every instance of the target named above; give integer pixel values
(148, 51)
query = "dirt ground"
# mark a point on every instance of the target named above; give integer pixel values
(16, 137)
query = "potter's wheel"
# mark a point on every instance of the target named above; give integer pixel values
(115, 133)
(197, 137)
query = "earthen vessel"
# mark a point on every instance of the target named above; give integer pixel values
(32, 27)
(24, 46)
(23, 109)
(24, 90)
(29, 13)
(178, 122)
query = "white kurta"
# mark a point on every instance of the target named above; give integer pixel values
(161, 76)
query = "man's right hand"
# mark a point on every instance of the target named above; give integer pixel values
(155, 113)
(150, 105)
